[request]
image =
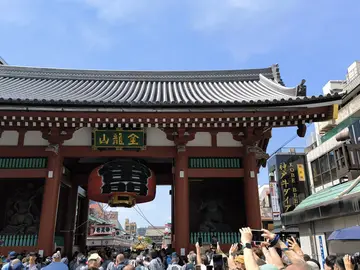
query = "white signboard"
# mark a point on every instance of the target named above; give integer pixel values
(94, 243)
(275, 201)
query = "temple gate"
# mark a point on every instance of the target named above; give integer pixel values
(205, 133)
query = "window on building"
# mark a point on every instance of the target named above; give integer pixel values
(324, 169)
(340, 158)
(332, 165)
(268, 196)
(315, 167)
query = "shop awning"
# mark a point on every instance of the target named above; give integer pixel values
(351, 233)
(98, 220)
(326, 203)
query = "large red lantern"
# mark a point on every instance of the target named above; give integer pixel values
(122, 183)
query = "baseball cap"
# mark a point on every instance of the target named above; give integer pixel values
(174, 254)
(12, 255)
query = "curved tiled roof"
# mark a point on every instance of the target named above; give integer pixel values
(47, 86)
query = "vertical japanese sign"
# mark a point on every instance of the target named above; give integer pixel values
(301, 172)
(291, 175)
(274, 193)
(322, 253)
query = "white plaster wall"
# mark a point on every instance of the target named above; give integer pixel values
(34, 137)
(343, 247)
(330, 225)
(157, 137)
(225, 139)
(306, 239)
(351, 108)
(9, 137)
(201, 139)
(81, 137)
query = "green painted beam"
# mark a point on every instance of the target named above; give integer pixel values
(214, 163)
(23, 163)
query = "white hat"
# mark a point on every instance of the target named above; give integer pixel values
(95, 257)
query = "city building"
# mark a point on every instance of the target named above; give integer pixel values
(190, 129)
(265, 207)
(141, 231)
(105, 229)
(333, 161)
(156, 234)
(167, 235)
(113, 217)
(288, 186)
(130, 227)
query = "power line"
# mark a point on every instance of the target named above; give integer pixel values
(286, 143)
(144, 217)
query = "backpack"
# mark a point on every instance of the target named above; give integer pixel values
(167, 261)
(175, 267)
(189, 266)
(6, 266)
(120, 266)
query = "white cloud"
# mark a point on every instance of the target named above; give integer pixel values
(244, 27)
(95, 37)
(123, 10)
(17, 12)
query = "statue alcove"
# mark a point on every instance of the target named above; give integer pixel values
(217, 205)
(21, 200)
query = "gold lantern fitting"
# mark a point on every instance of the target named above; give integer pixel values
(127, 201)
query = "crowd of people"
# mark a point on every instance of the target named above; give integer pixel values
(272, 254)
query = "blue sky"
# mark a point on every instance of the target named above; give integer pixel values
(315, 40)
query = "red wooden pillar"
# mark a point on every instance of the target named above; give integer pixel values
(182, 231)
(50, 204)
(251, 190)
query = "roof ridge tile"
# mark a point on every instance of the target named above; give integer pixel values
(75, 74)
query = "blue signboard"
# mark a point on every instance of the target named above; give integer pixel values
(322, 252)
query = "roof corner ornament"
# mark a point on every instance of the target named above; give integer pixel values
(53, 148)
(301, 89)
(276, 73)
